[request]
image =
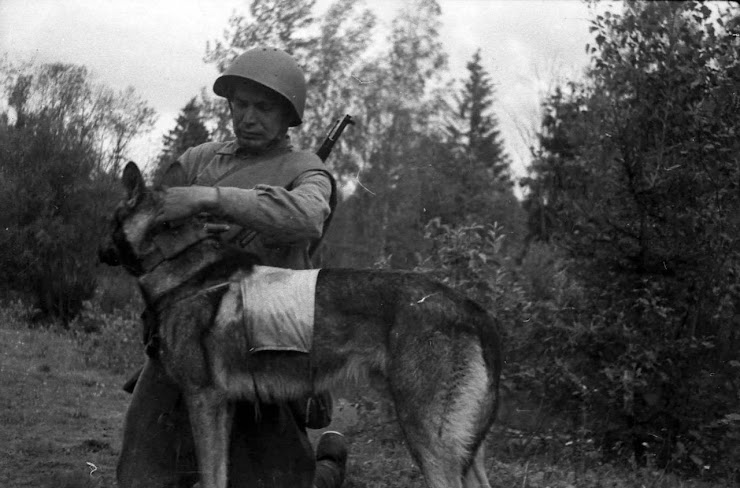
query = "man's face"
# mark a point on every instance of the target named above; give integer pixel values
(259, 115)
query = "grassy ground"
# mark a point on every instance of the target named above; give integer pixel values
(62, 408)
(59, 419)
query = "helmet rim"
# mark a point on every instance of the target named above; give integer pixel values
(272, 68)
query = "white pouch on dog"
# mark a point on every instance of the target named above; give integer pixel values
(279, 308)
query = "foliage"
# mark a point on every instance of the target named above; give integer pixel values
(424, 166)
(476, 140)
(68, 135)
(400, 134)
(470, 180)
(636, 180)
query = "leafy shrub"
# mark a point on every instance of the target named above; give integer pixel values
(636, 182)
(57, 157)
(599, 385)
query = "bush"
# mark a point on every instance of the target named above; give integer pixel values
(52, 218)
(57, 157)
(597, 384)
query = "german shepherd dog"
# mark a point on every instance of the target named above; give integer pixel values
(437, 352)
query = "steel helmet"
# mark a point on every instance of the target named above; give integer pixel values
(272, 68)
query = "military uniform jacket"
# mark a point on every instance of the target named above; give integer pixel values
(288, 204)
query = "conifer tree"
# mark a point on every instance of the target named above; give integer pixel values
(475, 131)
(474, 182)
(189, 131)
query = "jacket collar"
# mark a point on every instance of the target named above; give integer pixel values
(232, 148)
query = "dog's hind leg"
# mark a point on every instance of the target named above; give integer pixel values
(445, 419)
(210, 418)
(476, 476)
(441, 453)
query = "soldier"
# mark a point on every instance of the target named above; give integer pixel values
(280, 201)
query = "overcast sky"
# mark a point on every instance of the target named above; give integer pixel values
(157, 47)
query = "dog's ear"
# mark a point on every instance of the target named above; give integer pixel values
(134, 183)
(174, 176)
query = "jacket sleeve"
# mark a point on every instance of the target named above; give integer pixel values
(281, 215)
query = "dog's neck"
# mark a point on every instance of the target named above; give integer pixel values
(170, 275)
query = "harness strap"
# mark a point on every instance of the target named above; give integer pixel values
(162, 304)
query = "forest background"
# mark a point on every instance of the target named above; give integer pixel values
(612, 266)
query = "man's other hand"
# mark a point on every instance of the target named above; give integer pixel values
(180, 202)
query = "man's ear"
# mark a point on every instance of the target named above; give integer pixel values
(134, 183)
(174, 176)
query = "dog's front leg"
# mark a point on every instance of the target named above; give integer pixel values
(210, 418)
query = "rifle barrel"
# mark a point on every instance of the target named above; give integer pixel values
(334, 133)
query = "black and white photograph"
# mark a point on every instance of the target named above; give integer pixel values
(369, 243)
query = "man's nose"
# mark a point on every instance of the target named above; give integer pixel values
(248, 115)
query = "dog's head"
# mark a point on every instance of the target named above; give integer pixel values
(133, 222)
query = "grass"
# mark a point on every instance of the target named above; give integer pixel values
(62, 410)
(57, 414)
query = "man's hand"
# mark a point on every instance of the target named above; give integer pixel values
(180, 202)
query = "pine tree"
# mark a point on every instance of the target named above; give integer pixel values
(474, 183)
(475, 131)
(484, 137)
(189, 131)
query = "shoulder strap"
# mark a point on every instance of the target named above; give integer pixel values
(209, 154)
(197, 159)
(274, 170)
